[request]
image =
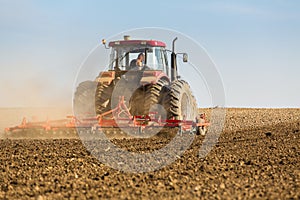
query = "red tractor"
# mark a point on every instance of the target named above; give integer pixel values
(141, 90)
(153, 85)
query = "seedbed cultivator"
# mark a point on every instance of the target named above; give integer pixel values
(114, 123)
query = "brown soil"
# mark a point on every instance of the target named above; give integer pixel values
(257, 156)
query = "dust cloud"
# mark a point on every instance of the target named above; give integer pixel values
(35, 98)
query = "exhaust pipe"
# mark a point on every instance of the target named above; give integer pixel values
(126, 37)
(173, 62)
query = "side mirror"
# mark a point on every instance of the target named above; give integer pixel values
(185, 57)
(104, 43)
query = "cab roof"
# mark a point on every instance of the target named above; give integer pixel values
(152, 43)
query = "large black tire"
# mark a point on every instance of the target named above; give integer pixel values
(84, 99)
(103, 97)
(153, 95)
(137, 102)
(146, 98)
(179, 101)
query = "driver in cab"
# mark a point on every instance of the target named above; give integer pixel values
(138, 62)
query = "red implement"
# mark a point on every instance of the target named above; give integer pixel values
(117, 117)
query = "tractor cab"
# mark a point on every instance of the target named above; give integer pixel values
(123, 52)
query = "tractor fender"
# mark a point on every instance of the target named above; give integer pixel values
(106, 77)
(152, 77)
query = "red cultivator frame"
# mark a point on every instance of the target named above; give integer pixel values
(119, 117)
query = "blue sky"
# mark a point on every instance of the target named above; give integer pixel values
(255, 45)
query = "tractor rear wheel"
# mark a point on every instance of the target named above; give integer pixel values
(153, 95)
(179, 101)
(84, 98)
(103, 97)
(137, 101)
(146, 98)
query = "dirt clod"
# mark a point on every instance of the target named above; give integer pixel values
(268, 134)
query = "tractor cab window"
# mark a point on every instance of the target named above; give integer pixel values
(121, 56)
(155, 57)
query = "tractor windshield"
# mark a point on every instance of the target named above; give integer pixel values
(155, 57)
